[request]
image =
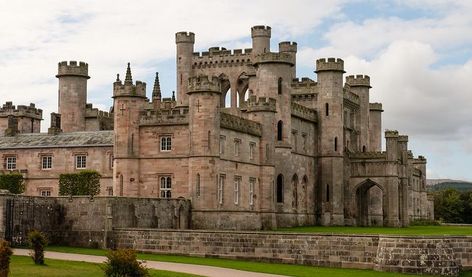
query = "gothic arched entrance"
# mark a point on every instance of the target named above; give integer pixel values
(370, 204)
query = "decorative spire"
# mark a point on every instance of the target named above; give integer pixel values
(118, 77)
(128, 78)
(173, 95)
(156, 91)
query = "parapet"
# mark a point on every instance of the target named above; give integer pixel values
(391, 134)
(303, 112)
(204, 83)
(165, 117)
(260, 31)
(137, 90)
(329, 64)
(184, 37)
(72, 69)
(261, 104)
(402, 138)
(358, 81)
(21, 111)
(375, 107)
(271, 57)
(287, 46)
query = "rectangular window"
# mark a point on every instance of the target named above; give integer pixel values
(111, 161)
(237, 142)
(222, 144)
(166, 187)
(252, 149)
(11, 163)
(294, 140)
(46, 162)
(45, 192)
(80, 161)
(237, 185)
(221, 187)
(252, 184)
(166, 143)
(304, 141)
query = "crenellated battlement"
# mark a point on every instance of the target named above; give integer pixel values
(352, 97)
(271, 57)
(178, 116)
(261, 31)
(358, 81)
(391, 134)
(184, 37)
(402, 138)
(287, 46)
(220, 57)
(329, 64)
(368, 155)
(72, 68)
(303, 83)
(134, 90)
(260, 104)
(376, 107)
(204, 83)
(303, 112)
(240, 124)
(92, 112)
(21, 111)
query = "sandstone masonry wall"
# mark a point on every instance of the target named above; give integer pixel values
(422, 255)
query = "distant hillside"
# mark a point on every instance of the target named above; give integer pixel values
(442, 184)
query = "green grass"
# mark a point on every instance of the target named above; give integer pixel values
(24, 267)
(283, 269)
(408, 231)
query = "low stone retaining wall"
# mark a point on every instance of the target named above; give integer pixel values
(421, 255)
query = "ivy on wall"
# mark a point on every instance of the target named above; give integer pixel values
(85, 182)
(13, 182)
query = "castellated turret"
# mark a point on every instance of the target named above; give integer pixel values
(184, 42)
(330, 106)
(73, 78)
(260, 39)
(290, 47)
(375, 126)
(360, 85)
(204, 94)
(128, 102)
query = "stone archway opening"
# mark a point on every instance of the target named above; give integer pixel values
(370, 204)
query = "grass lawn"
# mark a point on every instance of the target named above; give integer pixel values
(283, 269)
(24, 267)
(408, 231)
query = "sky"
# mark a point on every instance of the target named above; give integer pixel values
(418, 54)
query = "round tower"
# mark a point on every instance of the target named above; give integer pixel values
(260, 39)
(204, 94)
(72, 95)
(290, 47)
(331, 165)
(360, 85)
(375, 126)
(185, 42)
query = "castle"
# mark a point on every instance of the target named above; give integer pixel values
(283, 152)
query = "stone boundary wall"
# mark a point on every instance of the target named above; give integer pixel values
(420, 255)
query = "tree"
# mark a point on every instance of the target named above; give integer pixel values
(123, 262)
(13, 182)
(448, 206)
(37, 242)
(5, 253)
(85, 182)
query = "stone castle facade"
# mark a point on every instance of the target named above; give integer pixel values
(283, 151)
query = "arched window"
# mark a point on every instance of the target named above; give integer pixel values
(280, 188)
(197, 185)
(363, 148)
(327, 109)
(327, 192)
(280, 126)
(279, 86)
(336, 144)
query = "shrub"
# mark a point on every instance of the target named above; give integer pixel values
(37, 241)
(424, 222)
(5, 253)
(123, 263)
(85, 182)
(12, 182)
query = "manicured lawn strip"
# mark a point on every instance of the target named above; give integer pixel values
(24, 267)
(409, 231)
(282, 269)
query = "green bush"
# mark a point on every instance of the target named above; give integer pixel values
(5, 253)
(123, 263)
(424, 222)
(85, 182)
(12, 182)
(37, 241)
(453, 206)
